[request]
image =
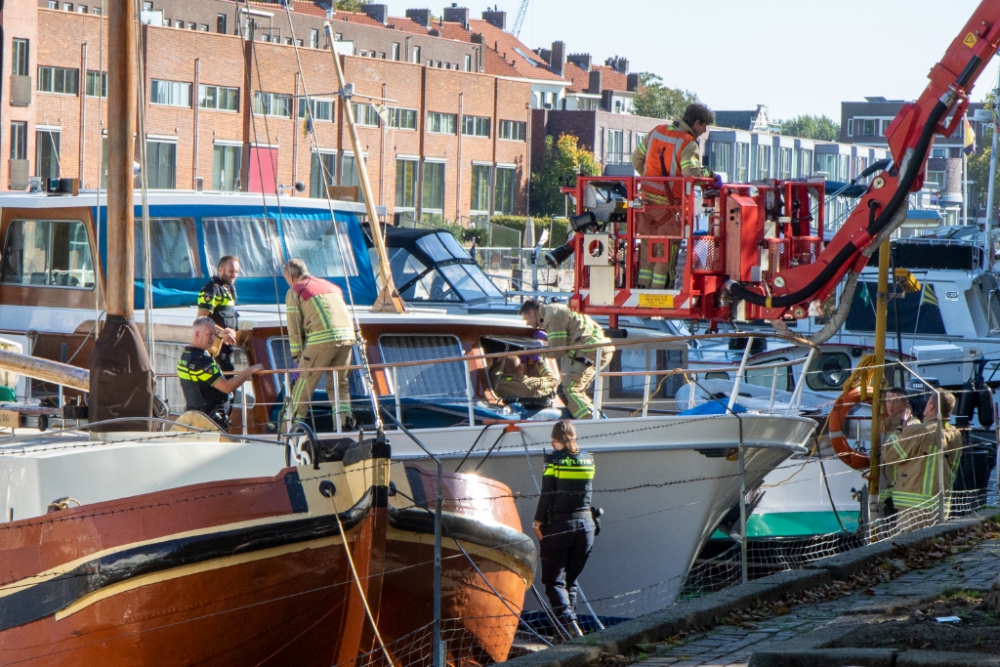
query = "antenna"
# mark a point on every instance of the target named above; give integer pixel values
(521, 13)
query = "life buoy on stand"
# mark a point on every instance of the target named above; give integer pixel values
(838, 421)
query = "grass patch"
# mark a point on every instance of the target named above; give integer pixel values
(963, 595)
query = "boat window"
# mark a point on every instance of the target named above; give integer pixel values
(405, 267)
(254, 241)
(170, 242)
(316, 242)
(631, 360)
(453, 246)
(918, 311)
(828, 372)
(280, 355)
(432, 245)
(488, 286)
(462, 281)
(763, 377)
(54, 253)
(425, 381)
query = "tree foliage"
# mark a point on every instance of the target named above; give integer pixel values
(559, 167)
(653, 99)
(811, 127)
(979, 169)
(352, 5)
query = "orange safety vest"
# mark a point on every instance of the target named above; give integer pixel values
(664, 146)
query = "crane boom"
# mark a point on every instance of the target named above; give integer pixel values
(762, 255)
(522, 11)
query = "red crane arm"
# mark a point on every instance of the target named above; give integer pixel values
(882, 209)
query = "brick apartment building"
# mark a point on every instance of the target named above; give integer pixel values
(226, 104)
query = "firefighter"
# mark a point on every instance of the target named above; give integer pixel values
(566, 328)
(513, 379)
(897, 415)
(217, 300)
(206, 389)
(321, 334)
(669, 150)
(564, 521)
(913, 451)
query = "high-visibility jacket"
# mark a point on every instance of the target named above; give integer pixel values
(565, 327)
(538, 384)
(219, 298)
(317, 314)
(669, 150)
(567, 485)
(890, 425)
(914, 452)
(198, 372)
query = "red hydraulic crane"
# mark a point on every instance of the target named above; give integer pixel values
(750, 252)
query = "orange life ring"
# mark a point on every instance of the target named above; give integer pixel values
(838, 420)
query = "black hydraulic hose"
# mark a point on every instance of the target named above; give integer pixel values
(876, 224)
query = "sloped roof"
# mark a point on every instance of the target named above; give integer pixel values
(494, 64)
(356, 17)
(578, 77)
(526, 63)
(453, 30)
(611, 79)
(405, 24)
(737, 120)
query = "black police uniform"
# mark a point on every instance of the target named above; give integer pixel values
(219, 298)
(567, 526)
(198, 371)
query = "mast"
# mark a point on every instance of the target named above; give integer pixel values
(388, 298)
(121, 378)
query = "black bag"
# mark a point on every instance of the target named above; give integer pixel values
(597, 513)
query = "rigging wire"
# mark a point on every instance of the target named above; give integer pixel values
(147, 268)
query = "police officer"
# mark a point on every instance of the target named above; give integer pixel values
(321, 334)
(206, 389)
(565, 328)
(564, 522)
(217, 300)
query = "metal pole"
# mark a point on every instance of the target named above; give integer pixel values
(243, 398)
(881, 314)
(439, 653)
(470, 394)
(645, 396)
(774, 389)
(940, 458)
(739, 374)
(988, 255)
(744, 573)
(598, 385)
(336, 399)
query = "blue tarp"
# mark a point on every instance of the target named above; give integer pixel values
(264, 284)
(713, 408)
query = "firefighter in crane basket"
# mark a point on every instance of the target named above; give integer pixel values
(669, 150)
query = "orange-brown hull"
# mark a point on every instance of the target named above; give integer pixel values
(223, 574)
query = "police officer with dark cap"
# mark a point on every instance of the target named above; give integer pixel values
(565, 522)
(217, 300)
(206, 389)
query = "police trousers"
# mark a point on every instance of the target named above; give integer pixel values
(566, 546)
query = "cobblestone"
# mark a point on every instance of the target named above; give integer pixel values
(730, 645)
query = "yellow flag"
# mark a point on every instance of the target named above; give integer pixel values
(970, 138)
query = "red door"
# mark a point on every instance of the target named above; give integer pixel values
(263, 167)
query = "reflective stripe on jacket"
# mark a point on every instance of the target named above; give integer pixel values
(567, 484)
(219, 298)
(317, 314)
(913, 453)
(565, 327)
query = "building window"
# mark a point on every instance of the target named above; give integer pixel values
(349, 170)
(742, 163)
(58, 80)
(468, 63)
(362, 53)
(365, 114)
(47, 153)
(97, 84)
(885, 127)
(513, 130)
(406, 183)
(68, 6)
(322, 173)
(147, 6)
(718, 156)
(850, 127)
(784, 163)
(314, 39)
(320, 109)
(476, 126)
(226, 165)
(480, 188)
(416, 55)
(18, 140)
(763, 162)
(432, 195)
(220, 24)
(616, 148)
(219, 97)
(203, 27)
(395, 50)
(161, 164)
(869, 128)
(96, 11)
(170, 93)
(440, 123)
(48, 252)
(82, 9)
(53, 4)
(506, 185)
(939, 152)
(935, 180)
(805, 163)
(403, 119)
(192, 26)
(272, 104)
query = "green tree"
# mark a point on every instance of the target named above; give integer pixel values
(655, 100)
(352, 5)
(979, 170)
(811, 127)
(559, 167)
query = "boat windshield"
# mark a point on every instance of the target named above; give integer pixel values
(454, 280)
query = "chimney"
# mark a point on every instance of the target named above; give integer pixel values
(421, 16)
(477, 38)
(457, 14)
(595, 82)
(496, 17)
(545, 55)
(558, 61)
(582, 60)
(632, 84)
(378, 12)
(618, 64)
